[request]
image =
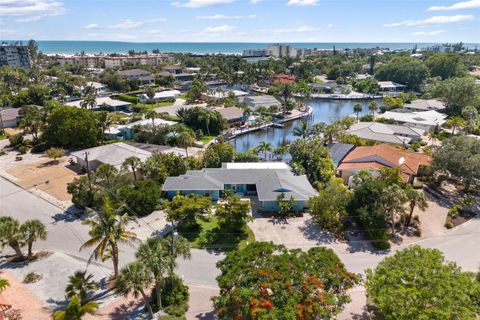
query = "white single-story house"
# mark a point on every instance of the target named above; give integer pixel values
(100, 88)
(104, 102)
(388, 133)
(390, 88)
(426, 120)
(425, 105)
(126, 131)
(263, 180)
(166, 95)
(10, 117)
(254, 102)
(223, 94)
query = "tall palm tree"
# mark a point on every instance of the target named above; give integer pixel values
(280, 151)
(155, 254)
(151, 114)
(373, 106)
(107, 230)
(150, 92)
(207, 116)
(135, 278)
(75, 310)
(331, 132)
(132, 163)
(180, 247)
(303, 130)
(81, 285)
(357, 108)
(182, 113)
(32, 231)
(455, 122)
(185, 139)
(105, 120)
(415, 199)
(11, 235)
(265, 147)
(89, 101)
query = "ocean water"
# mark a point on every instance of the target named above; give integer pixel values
(71, 47)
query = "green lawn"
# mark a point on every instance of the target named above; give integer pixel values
(153, 106)
(206, 139)
(208, 235)
(2, 136)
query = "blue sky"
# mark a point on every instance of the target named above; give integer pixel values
(242, 20)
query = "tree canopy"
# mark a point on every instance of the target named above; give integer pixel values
(404, 70)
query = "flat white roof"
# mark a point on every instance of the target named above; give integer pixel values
(430, 117)
(165, 94)
(100, 101)
(255, 165)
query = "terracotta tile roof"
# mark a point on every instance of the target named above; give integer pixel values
(4, 304)
(386, 156)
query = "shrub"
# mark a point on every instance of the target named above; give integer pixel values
(15, 140)
(23, 149)
(32, 277)
(127, 98)
(366, 118)
(175, 296)
(418, 232)
(454, 211)
(381, 244)
(448, 224)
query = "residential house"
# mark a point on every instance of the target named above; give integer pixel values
(338, 151)
(173, 69)
(100, 88)
(167, 95)
(389, 133)
(264, 181)
(427, 120)
(390, 88)
(233, 115)
(145, 77)
(374, 158)
(127, 131)
(104, 102)
(425, 105)
(218, 95)
(254, 102)
(10, 117)
(283, 78)
(116, 153)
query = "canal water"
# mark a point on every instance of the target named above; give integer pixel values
(323, 111)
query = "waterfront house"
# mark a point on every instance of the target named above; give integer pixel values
(427, 120)
(374, 158)
(390, 88)
(104, 102)
(145, 77)
(283, 78)
(264, 181)
(127, 131)
(167, 95)
(266, 101)
(387, 133)
(425, 105)
(219, 95)
(233, 115)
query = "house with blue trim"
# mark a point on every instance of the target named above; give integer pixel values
(263, 180)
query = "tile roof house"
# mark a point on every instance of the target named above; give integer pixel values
(145, 77)
(265, 101)
(283, 78)
(338, 151)
(387, 133)
(266, 181)
(233, 115)
(425, 105)
(374, 158)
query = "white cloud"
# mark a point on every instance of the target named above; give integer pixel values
(255, 1)
(218, 29)
(31, 7)
(126, 24)
(300, 29)
(157, 20)
(302, 3)
(428, 33)
(91, 26)
(200, 3)
(225, 17)
(432, 20)
(330, 26)
(30, 19)
(457, 6)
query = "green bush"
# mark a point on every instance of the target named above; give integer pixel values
(127, 98)
(15, 140)
(366, 118)
(454, 211)
(448, 224)
(381, 244)
(23, 149)
(175, 296)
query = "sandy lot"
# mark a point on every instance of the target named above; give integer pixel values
(45, 175)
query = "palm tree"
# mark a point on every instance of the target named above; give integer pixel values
(357, 108)
(303, 130)
(151, 114)
(150, 92)
(185, 139)
(75, 310)
(180, 247)
(470, 114)
(280, 151)
(105, 120)
(32, 231)
(264, 147)
(135, 278)
(107, 230)
(455, 122)
(89, 101)
(106, 172)
(415, 199)
(182, 113)
(10, 234)
(330, 132)
(155, 254)
(132, 163)
(206, 116)
(373, 106)
(80, 285)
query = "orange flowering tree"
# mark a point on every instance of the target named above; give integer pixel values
(268, 281)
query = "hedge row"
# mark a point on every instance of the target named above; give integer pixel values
(127, 98)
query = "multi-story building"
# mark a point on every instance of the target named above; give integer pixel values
(15, 55)
(113, 62)
(255, 53)
(282, 50)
